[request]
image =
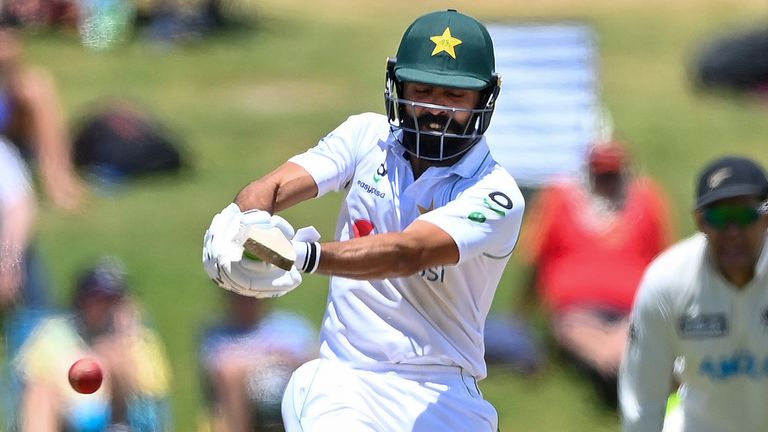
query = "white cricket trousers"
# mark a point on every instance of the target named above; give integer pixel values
(330, 396)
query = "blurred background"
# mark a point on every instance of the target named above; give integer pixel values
(239, 96)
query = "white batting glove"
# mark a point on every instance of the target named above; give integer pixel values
(224, 261)
(305, 244)
(262, 219)
(256, 278)
(253, 278)
(218, 243)
(223, 241)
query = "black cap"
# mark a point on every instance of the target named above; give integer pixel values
(106, 278)
(729, 177)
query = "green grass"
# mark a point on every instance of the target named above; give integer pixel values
(243, 102)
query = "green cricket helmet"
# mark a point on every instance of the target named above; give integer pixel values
(445, 49)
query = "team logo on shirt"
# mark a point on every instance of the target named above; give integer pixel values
(478, 217)
(381, 172)
(362, 227)
(497, 199)
(741, 363)
(434, 274)
(370, 189)
(703, 326)
(497, 202)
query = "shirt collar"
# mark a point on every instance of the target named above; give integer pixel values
(466, 167)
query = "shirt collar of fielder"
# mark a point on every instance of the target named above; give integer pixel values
(466, 167)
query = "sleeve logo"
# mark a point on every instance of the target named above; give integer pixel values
(703, 326)
(497, 202)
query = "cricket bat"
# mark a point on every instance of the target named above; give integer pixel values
(269, 245)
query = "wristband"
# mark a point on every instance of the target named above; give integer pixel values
(307, 256)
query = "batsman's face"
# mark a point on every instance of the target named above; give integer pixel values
(97, 311)
(445, 98)
(735, 241)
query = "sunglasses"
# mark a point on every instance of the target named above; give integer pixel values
(720, 217)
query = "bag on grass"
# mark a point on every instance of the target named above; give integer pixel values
(124, 142)
(737, 62)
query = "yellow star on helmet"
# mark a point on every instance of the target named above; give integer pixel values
(445, 42)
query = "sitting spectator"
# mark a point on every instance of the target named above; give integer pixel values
(40, 13)
(107, 325)
(31, 117)
(246, 362)
(588, 242)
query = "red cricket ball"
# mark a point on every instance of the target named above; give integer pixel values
(85, 375)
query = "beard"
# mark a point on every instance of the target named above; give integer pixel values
(432, 130)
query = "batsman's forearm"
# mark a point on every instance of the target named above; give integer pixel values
(259, 194)
(365, 258)
(284, 187)
(372, 257)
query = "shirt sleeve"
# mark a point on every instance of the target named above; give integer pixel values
(645, 376)
(47, 349)
(332, 161)
(483, 219)
(152, 371)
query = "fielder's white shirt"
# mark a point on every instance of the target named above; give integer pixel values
(689, 319)
(14, 178)
(435, 317)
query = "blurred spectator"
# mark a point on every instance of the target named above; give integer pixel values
(40, 13)
(20, 283)
(588, 242)
(31, 117)
(106, 324)
(170, 21)
(737, 61)
(23, 282)
(510, 342)
(246, 361)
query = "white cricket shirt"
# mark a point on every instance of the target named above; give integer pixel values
(14, 177)
(436, 316)
(689, 319)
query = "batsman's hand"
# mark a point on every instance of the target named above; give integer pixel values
(225, 264)
(218, 242)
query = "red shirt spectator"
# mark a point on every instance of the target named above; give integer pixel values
(589, 256)
(588, 242)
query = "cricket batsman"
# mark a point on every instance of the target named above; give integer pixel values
(428, 223)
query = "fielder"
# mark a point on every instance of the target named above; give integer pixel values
(427, 226)
(701, 315)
